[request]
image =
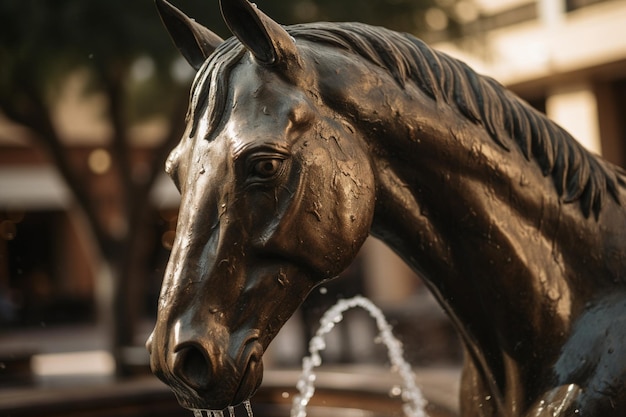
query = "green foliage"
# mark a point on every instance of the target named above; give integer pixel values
(41, 42)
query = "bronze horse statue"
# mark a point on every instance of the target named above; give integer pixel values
(302, 140)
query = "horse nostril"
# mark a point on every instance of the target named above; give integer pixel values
(193, 367)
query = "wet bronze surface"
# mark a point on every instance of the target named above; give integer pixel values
(303, 140)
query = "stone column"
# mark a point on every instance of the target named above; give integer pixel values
(575, 108)
(388, 279)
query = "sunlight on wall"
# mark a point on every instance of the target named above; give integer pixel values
(575, 108)
(97, 362)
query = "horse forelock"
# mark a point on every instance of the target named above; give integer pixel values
(577, 174)
(209, 90)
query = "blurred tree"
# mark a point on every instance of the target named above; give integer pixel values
(43, 43)
(420, 17)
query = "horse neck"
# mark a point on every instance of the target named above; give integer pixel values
(483, 226)
(460, 208)
(480, 223)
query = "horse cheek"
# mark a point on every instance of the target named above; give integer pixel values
(338, 212)
(353, 208)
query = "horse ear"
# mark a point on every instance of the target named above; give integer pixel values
(266, 39)
(192, 39)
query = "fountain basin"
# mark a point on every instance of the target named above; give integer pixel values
(340, 392)
(357, 391)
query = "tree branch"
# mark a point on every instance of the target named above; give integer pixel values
(120, 149)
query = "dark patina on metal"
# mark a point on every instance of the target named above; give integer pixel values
(303, 140)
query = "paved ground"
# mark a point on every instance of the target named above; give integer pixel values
(60, 338)
(59, 351)
(74, 358)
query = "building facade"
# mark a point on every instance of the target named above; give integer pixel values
(566, 57)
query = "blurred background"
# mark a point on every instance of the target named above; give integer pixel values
(92, 99)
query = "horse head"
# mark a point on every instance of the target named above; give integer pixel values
(277, 196)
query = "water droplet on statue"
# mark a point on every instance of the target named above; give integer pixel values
(523, 181)
(553, 294)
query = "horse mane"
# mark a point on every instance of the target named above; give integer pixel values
(576, 173)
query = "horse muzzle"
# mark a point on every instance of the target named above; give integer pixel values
(211, 372)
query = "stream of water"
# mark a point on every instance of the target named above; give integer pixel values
(414, 402)
(229, 412)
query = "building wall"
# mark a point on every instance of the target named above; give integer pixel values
(572, 54)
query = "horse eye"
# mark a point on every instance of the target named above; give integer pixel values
(267, 168)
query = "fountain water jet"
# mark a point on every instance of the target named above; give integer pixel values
(220, 413)
(414, 402)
